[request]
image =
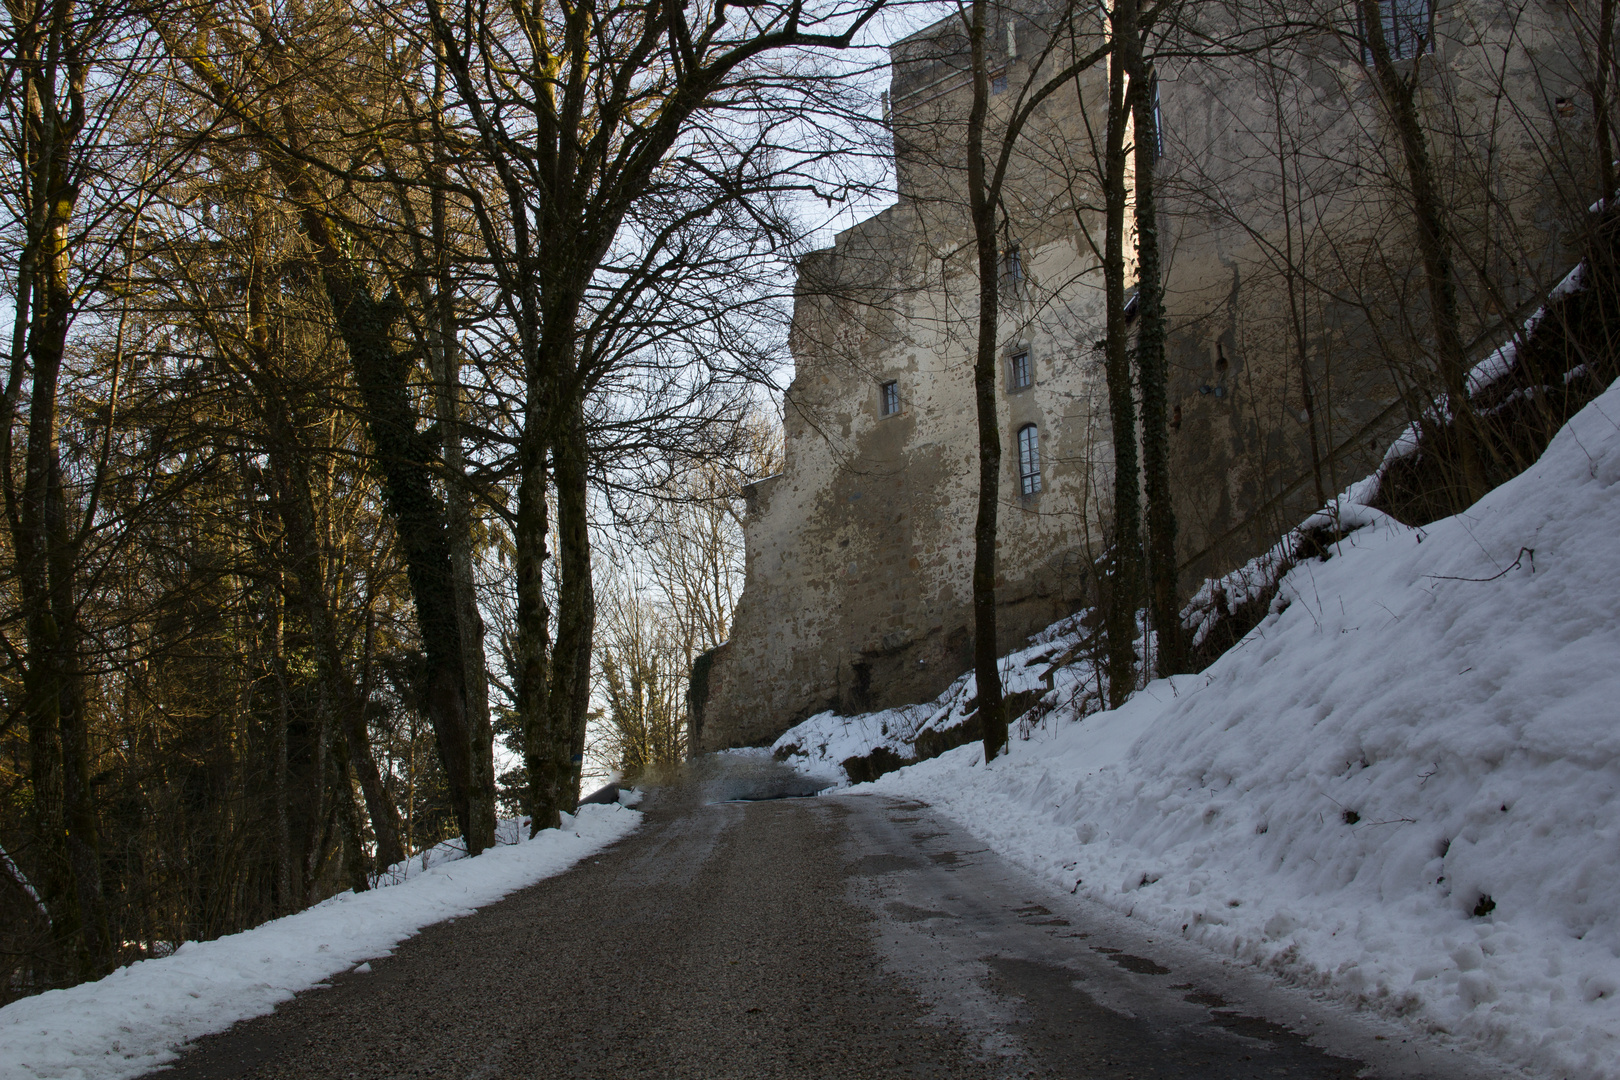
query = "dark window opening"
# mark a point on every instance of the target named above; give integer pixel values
(860, 694)
(1015, 265)
(1019, 374)
(998, 83)
(1029, 460)
(889, 403)
(1408, 29)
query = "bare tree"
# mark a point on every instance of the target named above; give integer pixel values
(583, 115)
(1064, 53)
(72, 71)
(255, 106)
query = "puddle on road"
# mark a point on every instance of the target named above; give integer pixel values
(911, 913)
(1141, 965)
(878, 865)
(1069, 1032)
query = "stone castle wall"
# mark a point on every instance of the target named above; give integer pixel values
(859, 555)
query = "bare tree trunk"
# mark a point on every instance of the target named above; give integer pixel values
(579, 712)
(445, 359)
(982, 210)
(285, 900)
(319, 826)
(570, 686)
(1119, 615)
(78, 798)
(1399, 94)
(532, 677)
(1153, 374)
(354, 845)
(1599, 89)
(47, 556)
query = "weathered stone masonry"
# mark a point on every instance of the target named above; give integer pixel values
(858, 590)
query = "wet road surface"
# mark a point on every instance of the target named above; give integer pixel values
(838, 936)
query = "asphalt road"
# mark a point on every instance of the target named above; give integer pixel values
(829, 937)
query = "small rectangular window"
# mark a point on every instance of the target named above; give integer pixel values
(1408, 29)
(889, 399)
(1015, 265)
(1019, 375)
(1029, 460)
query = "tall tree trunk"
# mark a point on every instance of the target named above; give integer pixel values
(1598, 86)
(579, 712)
(1153, 374)
(1119, 614)
(285, 898)
(570, 685)
(532, 677)
(354, 845)
(289, 466)
(43, 537)
(982, 211)
(1399, 93)
(444, 357)
(319, 821)
(406, 462)
(404, 455)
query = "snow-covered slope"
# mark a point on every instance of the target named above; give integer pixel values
(1402, 787)
(134, 1020)
(824, 742)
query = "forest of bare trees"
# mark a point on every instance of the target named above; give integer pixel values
(335, 332)
(382, 378)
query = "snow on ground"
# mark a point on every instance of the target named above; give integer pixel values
(1402, 788)
(135, 1019)
(821, 744)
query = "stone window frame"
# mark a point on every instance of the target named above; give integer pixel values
(1013, 353)
(1029, 460)
(888, 399)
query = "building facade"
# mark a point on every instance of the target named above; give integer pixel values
(1296, 346)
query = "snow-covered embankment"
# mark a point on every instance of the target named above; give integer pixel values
(135, 1019)
(1403, 787)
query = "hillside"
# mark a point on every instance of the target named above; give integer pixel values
(1401, 787)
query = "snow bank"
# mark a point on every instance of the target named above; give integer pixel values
(135, 1019)
(821, 744)
(1403, 787)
